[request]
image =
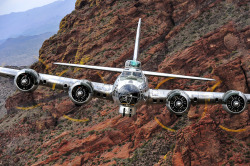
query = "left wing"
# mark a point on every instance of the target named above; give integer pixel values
(34, 79)
(179, 101)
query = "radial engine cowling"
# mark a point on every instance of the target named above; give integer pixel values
(178, 102)
(27, 80)
(234, 102)
(81, 92)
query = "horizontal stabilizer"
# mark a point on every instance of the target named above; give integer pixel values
(92, 67)
(150, 73)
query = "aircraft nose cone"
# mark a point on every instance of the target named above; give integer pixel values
(128, 89)
(129, 94)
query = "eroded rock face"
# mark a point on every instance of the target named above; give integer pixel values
(7, 89)
(199, 38)
(45, 123)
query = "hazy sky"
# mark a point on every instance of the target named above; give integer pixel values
(8, 6)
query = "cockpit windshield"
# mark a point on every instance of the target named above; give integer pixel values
(134, 75)
(130, 73)
(137, 74)
(126, 73)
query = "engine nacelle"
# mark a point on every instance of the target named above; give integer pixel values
(81, 92)
(178, 102)
(234, 102)
(27, 80)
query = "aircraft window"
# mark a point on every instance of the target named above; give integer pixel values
(126, 73)
(137, 74)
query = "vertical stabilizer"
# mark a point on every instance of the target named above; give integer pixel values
(137, 40)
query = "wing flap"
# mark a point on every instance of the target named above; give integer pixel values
(92, 67)
(150, 73)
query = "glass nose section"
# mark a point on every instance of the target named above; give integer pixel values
(129, 94)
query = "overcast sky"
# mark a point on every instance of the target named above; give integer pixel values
(8, 6)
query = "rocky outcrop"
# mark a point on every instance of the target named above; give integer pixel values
(6, 90)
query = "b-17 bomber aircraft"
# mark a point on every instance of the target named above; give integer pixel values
(130, 89)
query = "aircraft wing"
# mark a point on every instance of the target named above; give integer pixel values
(150, 73)
(232, 101)
(100, 90)
(6, 72)
(156, 95)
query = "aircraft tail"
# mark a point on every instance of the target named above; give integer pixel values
(137, 41)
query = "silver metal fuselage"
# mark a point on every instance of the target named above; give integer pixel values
(129, 90)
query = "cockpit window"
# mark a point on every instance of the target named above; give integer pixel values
(132, 75)
(129, 73)
(126, 73)
(137, 74)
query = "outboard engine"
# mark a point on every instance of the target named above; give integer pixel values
(178, 102)
(234, 102)
(27, 80)
(81, 92)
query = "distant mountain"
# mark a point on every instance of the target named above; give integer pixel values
(23, 50)
(1, 41)
(35, 21)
